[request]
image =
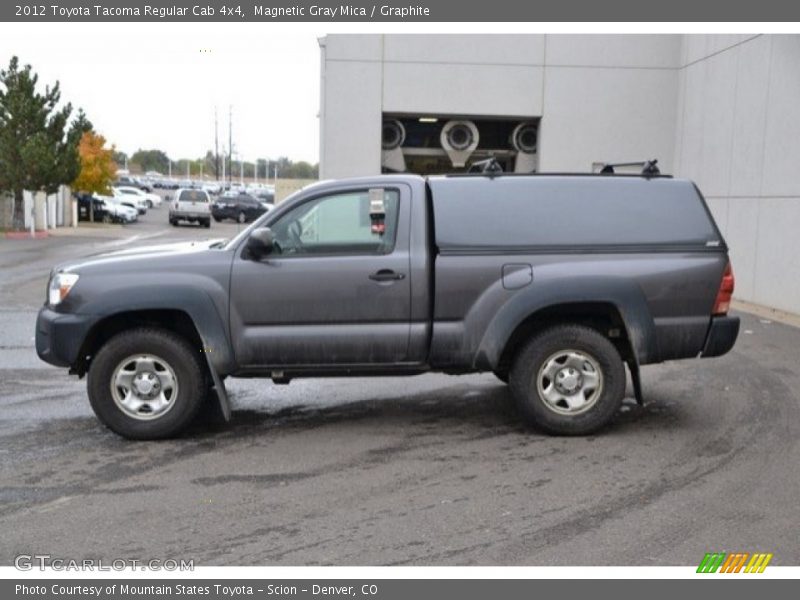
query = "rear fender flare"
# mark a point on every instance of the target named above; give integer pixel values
(622, 293)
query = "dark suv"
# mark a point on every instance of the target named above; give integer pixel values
(242, 208)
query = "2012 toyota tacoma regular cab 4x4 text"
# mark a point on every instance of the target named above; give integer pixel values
(553, 282)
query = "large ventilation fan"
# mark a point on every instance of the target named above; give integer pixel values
(459, 140)
(393, 135)
(524, 140)
(429, 143)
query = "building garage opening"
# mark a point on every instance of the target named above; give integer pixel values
(428, 144)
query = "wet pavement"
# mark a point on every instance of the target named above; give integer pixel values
(432, 469)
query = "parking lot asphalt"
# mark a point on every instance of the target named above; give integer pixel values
(432, 469)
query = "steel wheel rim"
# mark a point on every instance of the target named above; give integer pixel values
(144, 387)
(570, 382)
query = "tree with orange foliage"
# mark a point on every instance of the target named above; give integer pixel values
(98, 168)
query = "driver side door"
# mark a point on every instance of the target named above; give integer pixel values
(334, 291)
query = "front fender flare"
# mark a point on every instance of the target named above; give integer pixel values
(196, 302)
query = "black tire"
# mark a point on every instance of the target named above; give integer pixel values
(149, 204)
(183, 359)
(207, 223)
(217, 219)
(539, 350)
(173, 222)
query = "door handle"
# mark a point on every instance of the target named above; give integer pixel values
(386, 275)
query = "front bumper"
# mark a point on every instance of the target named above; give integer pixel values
(721, 336)
(59, 336)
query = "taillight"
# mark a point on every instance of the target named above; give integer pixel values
(723, 302)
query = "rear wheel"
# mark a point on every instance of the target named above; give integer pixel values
(207, 223)
(146, 384)
(568, 380)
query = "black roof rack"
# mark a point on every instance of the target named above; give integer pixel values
(649, 168)
(490, 167)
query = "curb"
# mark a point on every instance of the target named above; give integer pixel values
(25, 235)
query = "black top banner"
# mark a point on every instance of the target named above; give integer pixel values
(398, 11)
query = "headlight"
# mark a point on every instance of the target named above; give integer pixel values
(60, 285)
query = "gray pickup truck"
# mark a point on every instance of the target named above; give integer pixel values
(552, 282)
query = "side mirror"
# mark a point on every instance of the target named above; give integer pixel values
(260, 243)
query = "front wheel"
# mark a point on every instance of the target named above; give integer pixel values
(146, 384)
(568, 380)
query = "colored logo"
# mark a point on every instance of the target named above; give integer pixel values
(734, 562)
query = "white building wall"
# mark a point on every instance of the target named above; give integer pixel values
(601, 97)
(350, 105)
(608, 98)
(738, 137)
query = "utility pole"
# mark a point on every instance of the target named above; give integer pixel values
(223, 166)
(230, 143)
(216, 145)
(241, 171)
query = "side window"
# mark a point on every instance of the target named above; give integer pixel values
(339, 224)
